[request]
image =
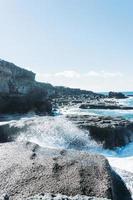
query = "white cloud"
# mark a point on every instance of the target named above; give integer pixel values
(92, 73)
(65, 74)
(74, 74)
(93, 80)
(104, 74)
(68, 74)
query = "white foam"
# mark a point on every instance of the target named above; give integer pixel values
(124, 163)
(55, 132)
(58, 132)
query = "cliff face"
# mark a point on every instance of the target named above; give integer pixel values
(20, 93)
(14, 79)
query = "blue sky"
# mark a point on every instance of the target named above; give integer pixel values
(78, 43)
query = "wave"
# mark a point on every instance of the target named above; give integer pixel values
(126, 102)
(58, 132)
(54, 132)
(127, 114)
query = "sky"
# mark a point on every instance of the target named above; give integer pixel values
(85, 44)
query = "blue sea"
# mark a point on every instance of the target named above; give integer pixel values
(121, 159)
(58, 132)
(128, 93)
(126, 114)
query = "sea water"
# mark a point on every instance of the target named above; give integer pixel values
(58, 132)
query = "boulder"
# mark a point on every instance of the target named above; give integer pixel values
(27, 170)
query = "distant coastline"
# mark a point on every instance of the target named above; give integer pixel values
(126, 93)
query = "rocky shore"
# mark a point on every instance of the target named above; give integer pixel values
(117, 95)
(20, 93)
(92, 101)
(31, 172)
(112, 132)
(105, 105)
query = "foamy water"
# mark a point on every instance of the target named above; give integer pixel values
(54, 132)
(122, 158)
(58, 132)
(127, 114)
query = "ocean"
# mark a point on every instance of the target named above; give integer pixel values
(121, 159)
(58, 132)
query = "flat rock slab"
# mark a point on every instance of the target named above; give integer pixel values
(105, 106)
(111, 131)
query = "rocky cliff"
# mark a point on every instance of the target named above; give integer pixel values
(66, 91)
(20, 93)
(15, 79)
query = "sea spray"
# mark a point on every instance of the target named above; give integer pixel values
(58, 132)
(55, 132)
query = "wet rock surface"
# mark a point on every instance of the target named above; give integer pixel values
(111, 132)
(104, 104)
(8, 133)
(51, 171)
(82, 98)
(127, 177)
(95, 101)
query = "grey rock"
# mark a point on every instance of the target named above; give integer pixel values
(104, 106)
(117, 95)
(20, 93)
(14, 79)
(127, 177)
(48, 196)
(51, 171)
(112, 132)
(76, 92)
